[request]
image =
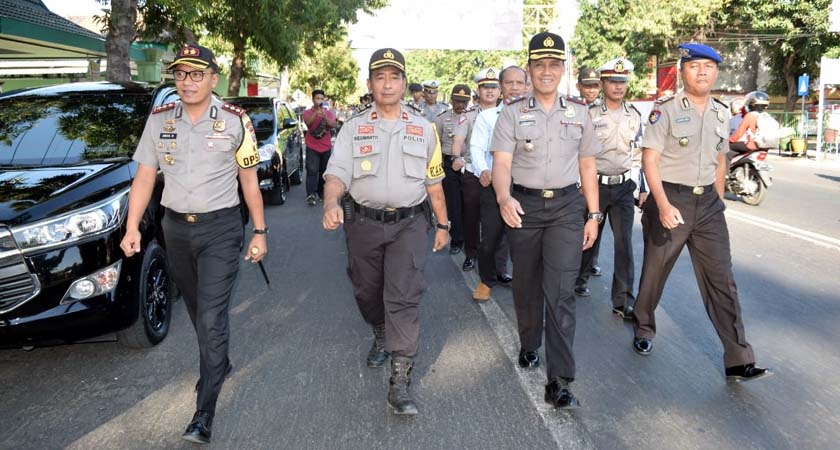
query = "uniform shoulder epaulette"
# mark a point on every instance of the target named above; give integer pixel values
(721, 102)
(664, 99)
(361, 111)
(413, 108)
(443, 112)
(631, 106)
(238, 110)
(577, 100)
(165, 107)
(470, 109)
(513, 100)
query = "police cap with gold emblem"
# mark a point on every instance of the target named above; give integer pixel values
(546, 45)
(691, 51)
(616, 70)
(461, 92)
(588, 76)
(488, 77)
(195, 56)
(431, 86)
(387, 57)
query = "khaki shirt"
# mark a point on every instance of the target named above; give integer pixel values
(431, 112)
(619, 132)
(558, 138)
(445, 124)
(386, 165)
(689, 142)
(200, 161)
(464, 127)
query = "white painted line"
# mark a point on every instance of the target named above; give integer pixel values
(798, 233)
(564, 428)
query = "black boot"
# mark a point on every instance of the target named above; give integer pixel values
(398, 396)
(199, 430)
(377, 354)
(558, 394)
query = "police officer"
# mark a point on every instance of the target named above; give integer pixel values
(493, 249)
(488, 96)
(684, 158)
(618, 125)
(589, 85)
(453, 166)
(545, 143)
(201, 145)
(389, 161)
(416, 92)
(431, 107)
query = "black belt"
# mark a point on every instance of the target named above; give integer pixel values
(611, 180)
(200, 217)
(546, 193)
(696, 190)
(389, 215)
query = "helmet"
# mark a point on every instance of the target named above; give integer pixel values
(736, 105)
(756, 101)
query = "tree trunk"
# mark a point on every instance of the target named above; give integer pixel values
(790, 79)
(237, 67)
(121, 34)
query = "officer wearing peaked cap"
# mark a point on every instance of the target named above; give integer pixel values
(389, 163)
(684, 158)
(416, 92)
(432, 107)
(201, 145)
(589, 84)
(543, 145)
(618, 125)
(453, 166)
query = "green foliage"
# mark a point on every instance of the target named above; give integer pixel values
(328, 67)
(450, 67)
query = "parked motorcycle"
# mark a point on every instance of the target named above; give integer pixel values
(749, 176)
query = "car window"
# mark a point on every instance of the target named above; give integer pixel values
(283, 111)
(262, 116)
(43, 131)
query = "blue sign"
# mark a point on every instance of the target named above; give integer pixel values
(803, 85)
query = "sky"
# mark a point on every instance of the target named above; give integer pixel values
(74, 7)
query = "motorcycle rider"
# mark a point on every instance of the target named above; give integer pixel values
(743, 139)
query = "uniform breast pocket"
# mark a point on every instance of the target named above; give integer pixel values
(366, 159)
(414, 160)
(525, 135)
(172, 161)
(682, 134)
(218, 153)
(571, 132)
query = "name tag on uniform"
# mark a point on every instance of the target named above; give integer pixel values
(598, 126)
(574, 124)
(527, 123)
(683, 119)
(169, 135)
(217, 136)
(409, 138)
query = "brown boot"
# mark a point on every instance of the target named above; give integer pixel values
(398, 396)
(481, 292)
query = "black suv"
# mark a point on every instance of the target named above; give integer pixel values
(280, 143)
(65, 173)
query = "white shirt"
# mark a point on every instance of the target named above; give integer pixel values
(482, 135)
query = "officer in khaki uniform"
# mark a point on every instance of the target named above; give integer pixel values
(618, 125)
(589, 85)
(389, 162)
(684, 159)
(445, 122)
(201, 145)
(547, 143)
(431, 107)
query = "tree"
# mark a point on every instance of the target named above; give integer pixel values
(450, 67)
(328, 67)
(120, 31)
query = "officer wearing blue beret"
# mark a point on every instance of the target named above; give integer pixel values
(684, 160)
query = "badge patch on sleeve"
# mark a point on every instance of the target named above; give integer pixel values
(414, 130)
(247, 155)
(434, 170)
(654, 116)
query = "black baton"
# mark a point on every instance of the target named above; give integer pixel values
(262, 269)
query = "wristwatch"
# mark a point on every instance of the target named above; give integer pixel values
(597, 216)
(446, 227)
(260, 230)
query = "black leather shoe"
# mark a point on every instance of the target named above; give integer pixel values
(642, 346)
(747, 372)
(469, 263)
(582, 291)
(504, 278)
(227, 372)
(455, 247)
(558, 395)
(595, 271)
(625, 312)
(528, 359)
(198, 430)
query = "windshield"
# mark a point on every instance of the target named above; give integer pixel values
(51, 131)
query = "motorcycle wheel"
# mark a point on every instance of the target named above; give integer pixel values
(760, 190)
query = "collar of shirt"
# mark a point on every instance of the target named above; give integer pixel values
(212, 112)
(532, 103)
(373, 116)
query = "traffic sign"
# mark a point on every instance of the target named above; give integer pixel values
(803, 84)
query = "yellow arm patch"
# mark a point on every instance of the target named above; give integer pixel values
(247, 155)
(435, 168)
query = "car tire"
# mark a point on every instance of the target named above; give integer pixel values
(277, 194)
(154, 305)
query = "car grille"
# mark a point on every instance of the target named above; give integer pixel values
(17, 285)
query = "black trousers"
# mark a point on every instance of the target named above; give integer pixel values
(204, 262)
(385, 263)
(454, 201)
(616, 203)
(707, 237)
(316, 165)
(546, 258)
(471, 212)
(493, 251)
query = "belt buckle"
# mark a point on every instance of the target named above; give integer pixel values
(614, 179)
(698, 190)
(547, 193)
(191, 218)
(389, 215)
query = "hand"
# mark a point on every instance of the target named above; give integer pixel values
(131, 242)
(333, 216)
(590, 233)
(256, 248)
(511, 211)
(670, 217)
(319, 111)
(642, 197)
(441, 240)
(485, 179)
(458, 164)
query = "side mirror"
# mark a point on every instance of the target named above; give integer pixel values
(289, 123)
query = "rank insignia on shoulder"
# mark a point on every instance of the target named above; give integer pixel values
(442, 112)
(413, 108)
(513, 100)
(233, 109)
(664, 99)
(577, 100)
(165, 107)
(654, 116)
(404, 116)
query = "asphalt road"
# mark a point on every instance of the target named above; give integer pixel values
(300, 381)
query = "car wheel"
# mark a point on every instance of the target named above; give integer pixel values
(154, 303)
(277, 194)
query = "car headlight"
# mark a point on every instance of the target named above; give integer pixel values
(266, 152)
(96, 219)
(99, 282)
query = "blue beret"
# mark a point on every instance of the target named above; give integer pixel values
(689, 52)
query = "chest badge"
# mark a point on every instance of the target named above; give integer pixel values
(219, 126)
(169, 128)
(721, 116)
(529, 146)
(169, 159)
(366, 165)
(570, 112)
(683, 142)
(173, 145)
(160, 145)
